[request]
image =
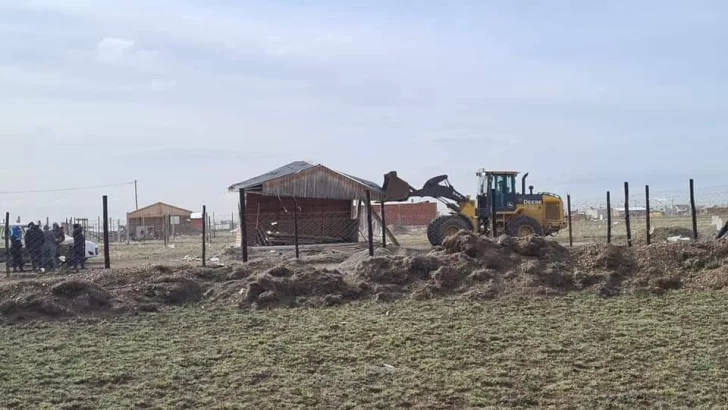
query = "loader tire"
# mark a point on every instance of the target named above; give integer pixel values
(521, 226)
(446, 225)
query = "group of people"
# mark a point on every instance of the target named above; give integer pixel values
(43, 247)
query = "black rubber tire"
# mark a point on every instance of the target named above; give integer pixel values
(438, 229)
(514, 225)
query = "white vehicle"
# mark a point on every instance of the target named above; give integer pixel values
(92, 249)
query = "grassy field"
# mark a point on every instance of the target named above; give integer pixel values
(577, 351)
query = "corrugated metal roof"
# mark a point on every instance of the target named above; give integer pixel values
(368, 184)
(256, 184)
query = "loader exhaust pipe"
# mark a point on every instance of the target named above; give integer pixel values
(523, 183)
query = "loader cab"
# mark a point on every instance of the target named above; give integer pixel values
(504, 183)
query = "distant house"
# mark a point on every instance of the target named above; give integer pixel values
(151, 222)
(196, 221)
(595, 214)
(636, 211)
(719, 210)
(677, 210)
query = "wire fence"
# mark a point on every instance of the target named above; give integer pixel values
(635, 216)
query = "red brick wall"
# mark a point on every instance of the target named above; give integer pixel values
(409, 214)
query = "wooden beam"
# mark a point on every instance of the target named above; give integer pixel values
(378, 219)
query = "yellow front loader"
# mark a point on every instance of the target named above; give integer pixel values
(516, 214)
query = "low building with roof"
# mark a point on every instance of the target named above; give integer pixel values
(149, 222)
(328, 204)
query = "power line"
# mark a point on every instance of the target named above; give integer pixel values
(38, 191)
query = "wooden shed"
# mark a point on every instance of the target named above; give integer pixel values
(327, 204)
(149, 222)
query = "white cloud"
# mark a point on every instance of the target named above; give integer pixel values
(119, 51)
(334, 39)
(111, 49)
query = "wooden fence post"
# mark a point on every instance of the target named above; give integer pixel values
(295, 226)
(626, 213)
(568, 207)
(107, 258)
(7, 244)
(384, 226)
(244, 224)
(648, 237)
(370, 233)
(204, 233)
(693, 210)
(493, 213)
(609, 219)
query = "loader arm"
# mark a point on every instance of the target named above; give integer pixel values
(396, 189)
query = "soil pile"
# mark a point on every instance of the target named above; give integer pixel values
(466, 264)
(32, 299)
(292, 284)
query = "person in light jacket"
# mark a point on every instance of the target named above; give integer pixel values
(49, 249)
(16, 248)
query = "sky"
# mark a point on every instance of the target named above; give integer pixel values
(189, 97)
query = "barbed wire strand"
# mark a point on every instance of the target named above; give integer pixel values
(38, 191)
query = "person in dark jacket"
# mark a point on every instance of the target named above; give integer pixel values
(34, 243)
(60, 237)
(78, 254)
(16, 248)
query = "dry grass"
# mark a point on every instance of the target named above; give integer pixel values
(181, 250)
(596, 231)
(572, 352)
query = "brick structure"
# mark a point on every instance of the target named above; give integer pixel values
(409, 214)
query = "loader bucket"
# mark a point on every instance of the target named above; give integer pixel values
(395, 188)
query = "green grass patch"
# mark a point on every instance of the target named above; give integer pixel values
(577, 351)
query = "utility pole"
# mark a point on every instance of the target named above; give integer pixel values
(136, 195)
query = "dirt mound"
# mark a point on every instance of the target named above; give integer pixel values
(602, 257)
(470, 244)
(475, 267)
(172, 290)
(355, 259)
(53, 299)
(84, 296)
(289, 285)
